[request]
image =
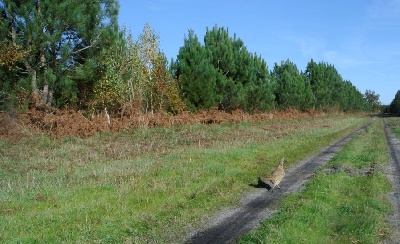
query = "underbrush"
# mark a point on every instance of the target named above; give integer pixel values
(63, 123)
(145, 185)
(344, 203)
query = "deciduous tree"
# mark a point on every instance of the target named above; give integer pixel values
(372, 100)
(156, 88)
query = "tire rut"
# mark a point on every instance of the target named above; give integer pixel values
(256, 206)
(394, 177)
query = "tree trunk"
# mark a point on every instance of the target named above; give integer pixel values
(35, 93)
(132, 95)
(46, 89)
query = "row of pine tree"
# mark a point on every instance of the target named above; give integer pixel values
(223, 73)
(72, 54)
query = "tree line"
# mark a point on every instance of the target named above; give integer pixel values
(73, 54)
(394, 107)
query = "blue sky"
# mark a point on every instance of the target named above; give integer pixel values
(361, 38)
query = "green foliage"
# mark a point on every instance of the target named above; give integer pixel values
(372, 100)
(395, 105)
(330, 90)
(165, 91)
(72, 54)
(257, 91)
(223, 73)
(292, 90)
(135, 71)
(239, 73)
(225, 55)
(196, 74)
(155, 86)
(60, 37)
(111, 91)
(385, 109)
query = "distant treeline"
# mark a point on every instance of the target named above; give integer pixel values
(394, 107)
(74, 55)
(223, 73)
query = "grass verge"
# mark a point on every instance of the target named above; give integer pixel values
(344, 203)
(147, 185)
(394, 125)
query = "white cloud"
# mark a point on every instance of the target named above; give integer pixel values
(152, 6)
(343, 57)
(345, 60)
(311, 48)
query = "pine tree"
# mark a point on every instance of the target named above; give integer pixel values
(317, 75)
(223, 73)
(308, 98)
(258, 89)
(195, 74)
(394, 107)
(292, 89)
(63, 39)
(331, 91)
(220, 45)
(242, 77)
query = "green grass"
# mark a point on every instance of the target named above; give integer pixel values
(345, 206)
(147, 185)
(394, 124)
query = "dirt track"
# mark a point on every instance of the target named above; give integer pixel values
(394, 177)
(230, 224)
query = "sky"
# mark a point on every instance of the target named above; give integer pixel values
(361, 38)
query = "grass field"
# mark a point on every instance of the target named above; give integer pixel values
(344, 203)
(151, 184)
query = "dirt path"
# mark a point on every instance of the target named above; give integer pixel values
(394, 177)
(230, 224)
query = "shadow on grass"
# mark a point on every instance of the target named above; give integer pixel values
(261, 184)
